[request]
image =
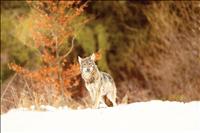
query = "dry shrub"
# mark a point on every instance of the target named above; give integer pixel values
(176, 28)
(57, 80)
(168, 66)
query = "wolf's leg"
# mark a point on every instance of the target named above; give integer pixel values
(97, 98)
(102, 103)
(92, 96)
(112, 97)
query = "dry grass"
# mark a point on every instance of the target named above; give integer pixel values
(20, 92)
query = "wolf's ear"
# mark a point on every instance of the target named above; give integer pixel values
(79, 59)
(92, 57)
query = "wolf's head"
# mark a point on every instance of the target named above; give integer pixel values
(87, 66)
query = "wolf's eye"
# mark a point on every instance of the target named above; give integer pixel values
(91, 64)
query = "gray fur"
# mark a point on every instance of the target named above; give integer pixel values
(99, 84)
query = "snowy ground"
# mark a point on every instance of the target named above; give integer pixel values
(153, 116)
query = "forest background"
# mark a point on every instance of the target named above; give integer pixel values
(152, 50)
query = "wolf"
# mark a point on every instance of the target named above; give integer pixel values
(98, 84)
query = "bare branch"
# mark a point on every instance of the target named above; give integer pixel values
(129, 27)
(3, 99)
(14, 94)
(4, 92)
(64, 56)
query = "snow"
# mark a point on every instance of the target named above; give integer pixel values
(143, 117)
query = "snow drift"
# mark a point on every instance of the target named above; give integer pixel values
(153, 116)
